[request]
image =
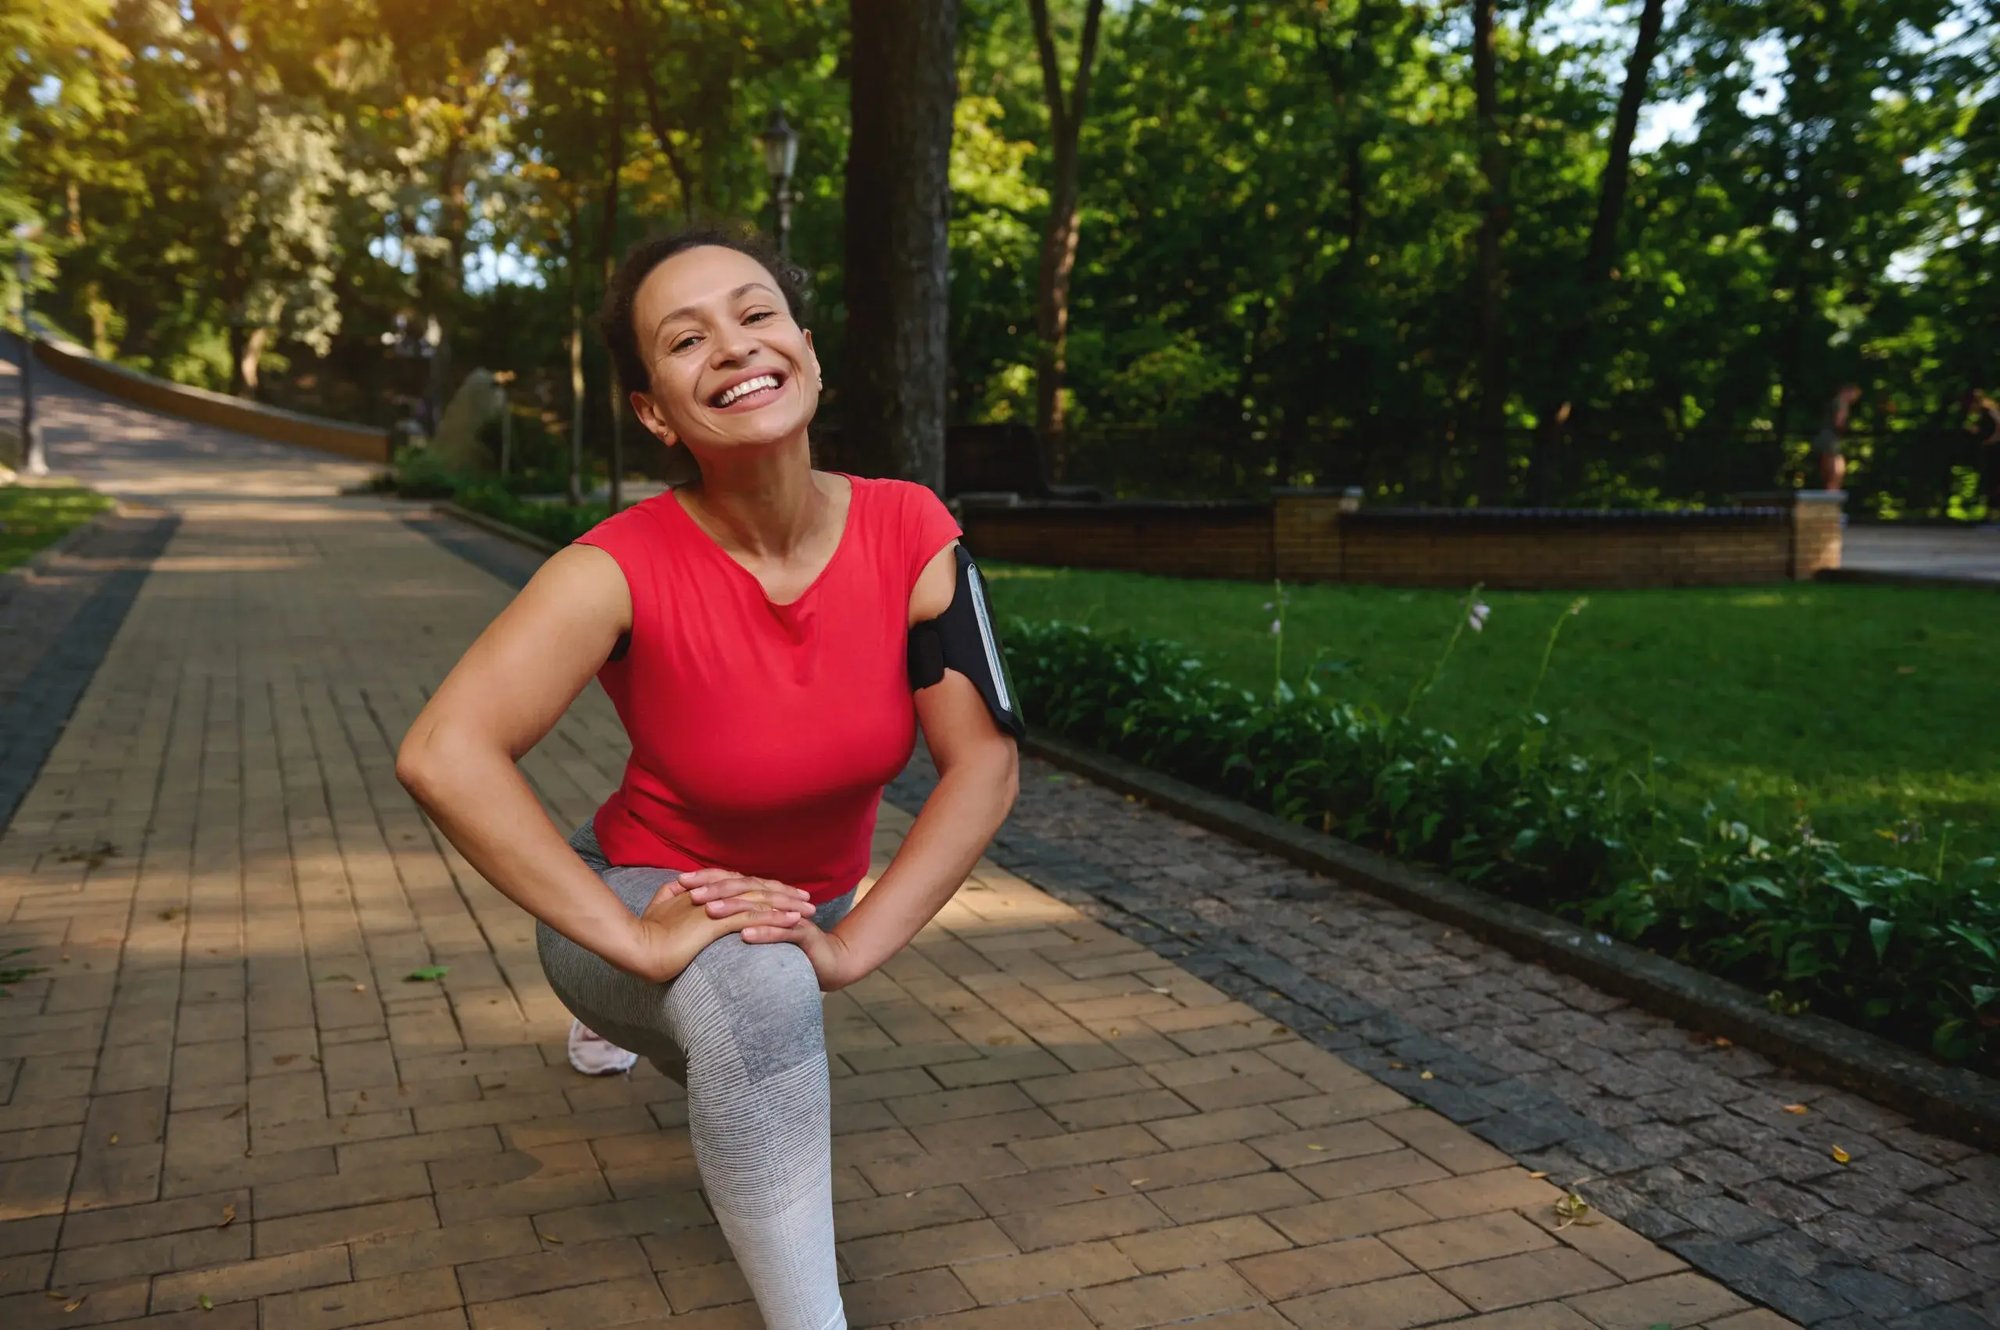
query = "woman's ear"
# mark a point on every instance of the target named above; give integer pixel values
(649, 416)
(819, 375)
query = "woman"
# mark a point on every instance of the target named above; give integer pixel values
(756, 632)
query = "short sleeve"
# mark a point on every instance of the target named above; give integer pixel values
(929, 527)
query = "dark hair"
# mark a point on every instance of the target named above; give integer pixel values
(614, 321)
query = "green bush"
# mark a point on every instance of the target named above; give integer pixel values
(551, 521)
(1915, 957)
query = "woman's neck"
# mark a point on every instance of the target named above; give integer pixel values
(764, 506)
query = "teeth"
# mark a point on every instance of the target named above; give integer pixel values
(749, 386)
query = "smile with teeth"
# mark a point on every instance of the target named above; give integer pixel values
(746, 388)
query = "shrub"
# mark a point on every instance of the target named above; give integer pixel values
(1913, 956)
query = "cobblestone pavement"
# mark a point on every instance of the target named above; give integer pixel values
(1698, 1146)
(224, 1103)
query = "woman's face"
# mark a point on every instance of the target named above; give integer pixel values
(730, 368)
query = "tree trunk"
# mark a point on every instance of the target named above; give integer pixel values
(1490, 421)
(1059, 235)
(1573, 334)
(576, 397)
(902, 85)
(607, 248)
(246, 356)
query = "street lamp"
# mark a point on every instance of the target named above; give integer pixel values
(34, 460)
(781, 154)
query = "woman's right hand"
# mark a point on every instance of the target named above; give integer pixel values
(674, 927)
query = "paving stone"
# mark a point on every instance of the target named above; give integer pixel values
(404, 1150)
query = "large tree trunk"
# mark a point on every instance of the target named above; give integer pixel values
(576, 397)
(1059, 235)
(607, 248)
(1491, 417)
(1573, 334)
(902, 85)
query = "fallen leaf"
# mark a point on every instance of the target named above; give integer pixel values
(1315, 1147)
(426, 974)
(114, 1138)
(1397, 1066)
(1538, 1175)
(1115, 1032)
(207, 1303)
(549, 1238)
(1277, 1029)
(1797, 1108)
(1571, 1209)
(1427, 1076)
(55, 1295)
(1099, 1190)
(75, 1302)
(284, 1059)
(1721, 1042)
(1841, 1156)
(228, 1215)
(1157, 989)
(1140, 1182)
(361, 988)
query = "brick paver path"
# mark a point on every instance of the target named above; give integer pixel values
(224, 1105)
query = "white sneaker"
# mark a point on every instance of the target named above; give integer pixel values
(594, 1055)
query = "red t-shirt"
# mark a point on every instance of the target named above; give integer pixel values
(762, 734)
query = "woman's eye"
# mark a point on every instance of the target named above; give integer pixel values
(756, 315)
(683, 344)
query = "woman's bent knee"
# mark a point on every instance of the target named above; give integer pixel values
(758, 1001)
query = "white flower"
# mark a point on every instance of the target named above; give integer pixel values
(1277, 626)
(1480, 609)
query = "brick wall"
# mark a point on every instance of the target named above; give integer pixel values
(1317, 536)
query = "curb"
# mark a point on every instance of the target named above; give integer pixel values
(1953, 1101)
(495, 527)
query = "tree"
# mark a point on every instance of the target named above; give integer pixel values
(1059, 237)
(1600, 250)
(1489, 290)
(903, 83)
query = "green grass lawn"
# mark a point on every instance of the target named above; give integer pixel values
(32, 516)
(1861, 707)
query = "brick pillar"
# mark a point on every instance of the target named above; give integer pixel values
(1305, 532)
(1816, 532)
(1812, 528)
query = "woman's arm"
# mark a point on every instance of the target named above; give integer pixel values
(978, 776)
(508, 691)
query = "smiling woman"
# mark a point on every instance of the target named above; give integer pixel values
(755, 631)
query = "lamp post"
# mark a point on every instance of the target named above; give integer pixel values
(34, 460)
(781, 154)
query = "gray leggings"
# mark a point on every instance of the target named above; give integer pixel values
(742, 1028)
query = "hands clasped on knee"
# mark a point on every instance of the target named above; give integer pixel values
(708, 904)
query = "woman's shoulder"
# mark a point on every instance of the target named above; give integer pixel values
(893, 499)
(642, 522)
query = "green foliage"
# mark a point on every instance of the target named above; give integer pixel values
(1914, 955)
(33, 517)
(1845, 703)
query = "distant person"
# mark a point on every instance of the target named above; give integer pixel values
(1832, 434)
(1983, 421)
